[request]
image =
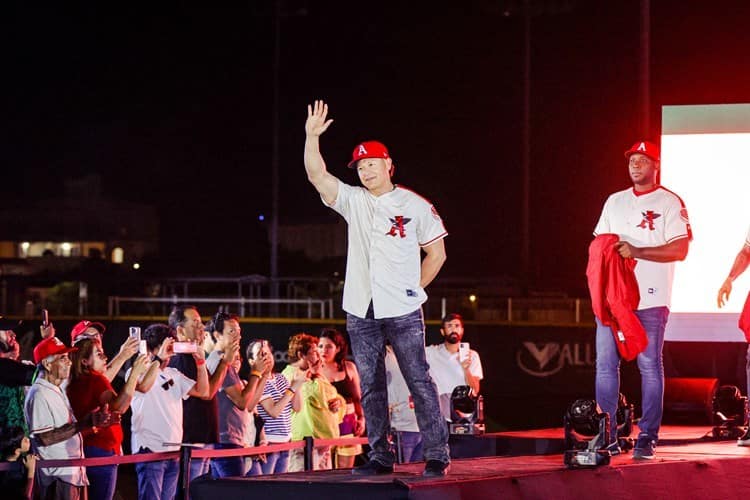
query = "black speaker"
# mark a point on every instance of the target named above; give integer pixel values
(689, 401)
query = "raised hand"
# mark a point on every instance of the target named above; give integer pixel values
(47, 331)
(140, 365)
(166, 349)
(316, 122)
(129, 347)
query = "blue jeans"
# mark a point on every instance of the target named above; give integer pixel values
(650, 364)
(102, 479)
(157, 480)
(406, 335)
(276, 463)
(228, 466)
(200, 466)
(411, 446)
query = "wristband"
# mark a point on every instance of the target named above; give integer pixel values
(199, 362)
(256, 373)
(291, 390)
(158, 359)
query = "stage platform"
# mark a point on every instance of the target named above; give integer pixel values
(686, 466)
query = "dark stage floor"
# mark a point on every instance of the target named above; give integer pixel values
(686, 466)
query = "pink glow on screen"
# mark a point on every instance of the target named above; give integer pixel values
(711, 173)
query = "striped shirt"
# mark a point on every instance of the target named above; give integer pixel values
(279, 429)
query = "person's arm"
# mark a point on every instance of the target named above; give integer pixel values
(121, 402)
(249, 395)
(471, 380)
(432, 262)
(740, 264)
(201, 387)
(317, 173)
(275, 408)
(127, 350)
(674, 251)
(216, 379)
(97, 418)
(29, 462)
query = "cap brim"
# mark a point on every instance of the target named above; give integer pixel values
(630, 153)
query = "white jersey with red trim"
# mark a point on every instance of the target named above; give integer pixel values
(648, 219)
(384, 262)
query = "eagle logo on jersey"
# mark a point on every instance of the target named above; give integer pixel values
(397, 226)
(648, 220)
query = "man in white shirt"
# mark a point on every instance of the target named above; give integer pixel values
(55, 433)
(388, 227)
(157, 412)
(653, 227)
(449, 367)
(740, 264)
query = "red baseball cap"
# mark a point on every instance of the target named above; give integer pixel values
(645, 148)
(81, 327)
(368, 149)
(50, 347)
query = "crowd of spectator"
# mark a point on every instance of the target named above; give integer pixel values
(181, 382)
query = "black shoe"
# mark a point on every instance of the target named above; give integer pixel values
(372, 468)
(435, 468)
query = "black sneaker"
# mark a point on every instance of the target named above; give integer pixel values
(372, 468)
(644, 449)
(435, 468)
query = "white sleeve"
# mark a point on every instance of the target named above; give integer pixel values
(430, 227)
(476, 365)
(342, 202)
(602, 227)
(676, 225)
(184, 383)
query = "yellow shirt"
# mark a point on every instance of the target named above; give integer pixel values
(314, 418)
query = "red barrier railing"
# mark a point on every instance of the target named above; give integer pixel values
(189, 451)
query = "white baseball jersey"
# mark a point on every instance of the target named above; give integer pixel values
(46, 408)
(649, 219)
(383, 261)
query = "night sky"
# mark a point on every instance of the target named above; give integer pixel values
(173, 106)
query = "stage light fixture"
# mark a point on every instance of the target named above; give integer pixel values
(624, 415)
(586, 435)
(467, 411)
(730, 413)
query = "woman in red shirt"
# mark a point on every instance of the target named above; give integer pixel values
(89, 389)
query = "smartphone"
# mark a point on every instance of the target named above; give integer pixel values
(135, 332)
(185, 347)
(463, 351)
(142, 347)
(45, 318)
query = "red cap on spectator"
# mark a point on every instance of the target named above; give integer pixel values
(50, 347)
(368, 149)
(80, 328)
(645, 148)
